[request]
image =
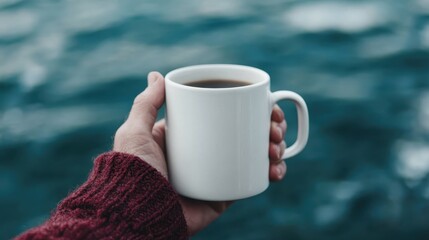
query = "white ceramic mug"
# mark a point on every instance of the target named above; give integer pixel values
(218, 138)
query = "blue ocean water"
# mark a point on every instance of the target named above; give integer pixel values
(69, 70)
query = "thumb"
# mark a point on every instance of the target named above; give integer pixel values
(146, 104)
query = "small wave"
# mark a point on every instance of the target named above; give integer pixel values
(339, 16)
(413, 162)
(17, 23)
(5, 3)
(39, 124)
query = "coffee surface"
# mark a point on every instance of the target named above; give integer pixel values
(217, 83)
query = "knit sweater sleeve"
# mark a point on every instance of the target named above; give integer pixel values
(123, 198)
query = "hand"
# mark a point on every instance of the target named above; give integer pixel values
(141, 136)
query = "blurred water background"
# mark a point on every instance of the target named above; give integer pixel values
(69, 70)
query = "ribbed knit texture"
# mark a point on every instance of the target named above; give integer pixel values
(123, 198)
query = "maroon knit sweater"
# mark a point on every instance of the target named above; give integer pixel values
(123, 198)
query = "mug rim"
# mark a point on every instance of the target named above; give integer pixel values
(265, 80)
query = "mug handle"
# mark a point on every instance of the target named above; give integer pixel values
(303, 121)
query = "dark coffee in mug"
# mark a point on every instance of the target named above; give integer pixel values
(217, 83)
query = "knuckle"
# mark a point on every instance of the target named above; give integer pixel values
(139, 99)
(121, 131)
(143, 104)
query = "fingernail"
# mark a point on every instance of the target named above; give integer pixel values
(279, 171)
(278, 151)
(151, 78)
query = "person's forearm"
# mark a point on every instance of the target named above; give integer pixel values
(123, 198)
